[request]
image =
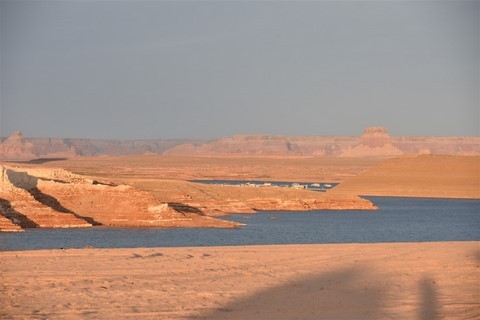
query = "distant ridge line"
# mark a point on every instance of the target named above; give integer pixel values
(374, 142)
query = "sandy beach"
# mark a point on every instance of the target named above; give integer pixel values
(343, 281)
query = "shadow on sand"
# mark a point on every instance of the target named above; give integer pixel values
(38, 161)
(351, 293)
(428, 305)
(335, 295)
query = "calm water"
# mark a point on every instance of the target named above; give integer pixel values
(398, 220)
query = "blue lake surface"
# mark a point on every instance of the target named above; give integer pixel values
(397, 220)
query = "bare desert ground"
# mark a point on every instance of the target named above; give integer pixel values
(343, 281)
(406, 175)
(419, 176)
(288, 168)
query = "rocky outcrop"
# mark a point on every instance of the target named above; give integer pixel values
(217, 200)
(55, 198)
(375, 142)
(15, 147)
(6, 225)
(19, 204)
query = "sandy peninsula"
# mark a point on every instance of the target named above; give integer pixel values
(343, 281)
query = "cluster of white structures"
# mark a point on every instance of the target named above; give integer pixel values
(295, 185)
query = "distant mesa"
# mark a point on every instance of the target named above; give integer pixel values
(240, 145)
(374, 142)
(15, 147)
(375, 137)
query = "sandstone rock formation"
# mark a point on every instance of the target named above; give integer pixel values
(55, 198)
(240, 145)
(6, 225)
(15, 147)
(19, 204)
(217, 200)
(375, 142)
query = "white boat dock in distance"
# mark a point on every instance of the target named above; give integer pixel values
(317, 186)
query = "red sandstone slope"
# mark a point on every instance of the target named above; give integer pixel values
(55, 198)
(7, 225)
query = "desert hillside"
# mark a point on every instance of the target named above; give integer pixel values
(419, 176)
(311, 169)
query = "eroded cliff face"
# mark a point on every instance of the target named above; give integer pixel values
(240, 145)
(374, 142)
(33, 196)
(15, 147)
(55, 198)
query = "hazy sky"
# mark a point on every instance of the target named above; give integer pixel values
(177, 69)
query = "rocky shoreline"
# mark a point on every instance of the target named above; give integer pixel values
(57, 198)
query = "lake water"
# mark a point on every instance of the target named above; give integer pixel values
(398, 220)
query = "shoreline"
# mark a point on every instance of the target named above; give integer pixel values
(139, 191)
(239, 246)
